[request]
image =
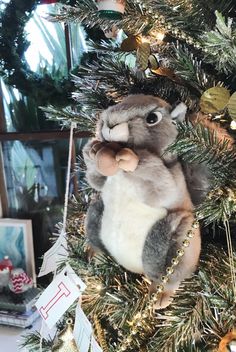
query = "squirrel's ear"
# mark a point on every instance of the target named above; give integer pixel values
(179, 112)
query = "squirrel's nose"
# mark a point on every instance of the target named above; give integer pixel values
(118, 133)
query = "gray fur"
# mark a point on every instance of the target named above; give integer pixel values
(198, 180)
(162, 242)
(157, 245)
(159, 182)
(93, 224)
(94, 178)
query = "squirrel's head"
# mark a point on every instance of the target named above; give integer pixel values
(141, 121)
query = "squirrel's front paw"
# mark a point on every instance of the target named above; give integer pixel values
(127, 159)
(94, 148)
(105, 158)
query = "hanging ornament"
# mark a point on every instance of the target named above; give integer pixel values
(143, 53)
(214, 100)
(19, 281)
(131, 43)
(111, 9)
(167, 72)
(232, 106)
(5, 269)
(153, 63)
(6, 263)
(228, 342)
(65, 341)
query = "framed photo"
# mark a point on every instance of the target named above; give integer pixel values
(16, 241)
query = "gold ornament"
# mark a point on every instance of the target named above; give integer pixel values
(165, 278)
(143, 53)
(175, 261)
(180, 252)
(232, 106)
(214, 100)
(65, 340)
(153, 62)
(167, 72)
(157, 35)
(160, 288)
(189, 234)
(228, 342)
(131, 43)
(186, 243)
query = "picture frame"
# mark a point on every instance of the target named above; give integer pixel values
(16, 242)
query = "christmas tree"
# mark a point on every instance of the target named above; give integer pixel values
(179, 51)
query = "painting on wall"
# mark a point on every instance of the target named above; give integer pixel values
(16, 242)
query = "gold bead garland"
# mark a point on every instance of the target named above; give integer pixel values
(100, 334)
(172, 28)
(140, 318)
(227, 192)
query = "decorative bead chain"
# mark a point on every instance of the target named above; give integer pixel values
(172, 28)
(139, 319)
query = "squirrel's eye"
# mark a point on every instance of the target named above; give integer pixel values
(154, 118)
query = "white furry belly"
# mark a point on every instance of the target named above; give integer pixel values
(126, 222)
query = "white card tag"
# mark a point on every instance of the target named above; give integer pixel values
(82, 330)
(46, 333)
(74, 278)
(95, 346)
(53, 256)
(57, 298)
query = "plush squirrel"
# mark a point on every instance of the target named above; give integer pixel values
(144, 210)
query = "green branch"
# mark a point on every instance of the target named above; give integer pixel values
(204, 304)
(84, 121)
(190, 69)
(220, 45)
(198, 144)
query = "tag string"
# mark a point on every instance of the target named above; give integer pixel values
(66, 200)
(231, 257)
(65, 210)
